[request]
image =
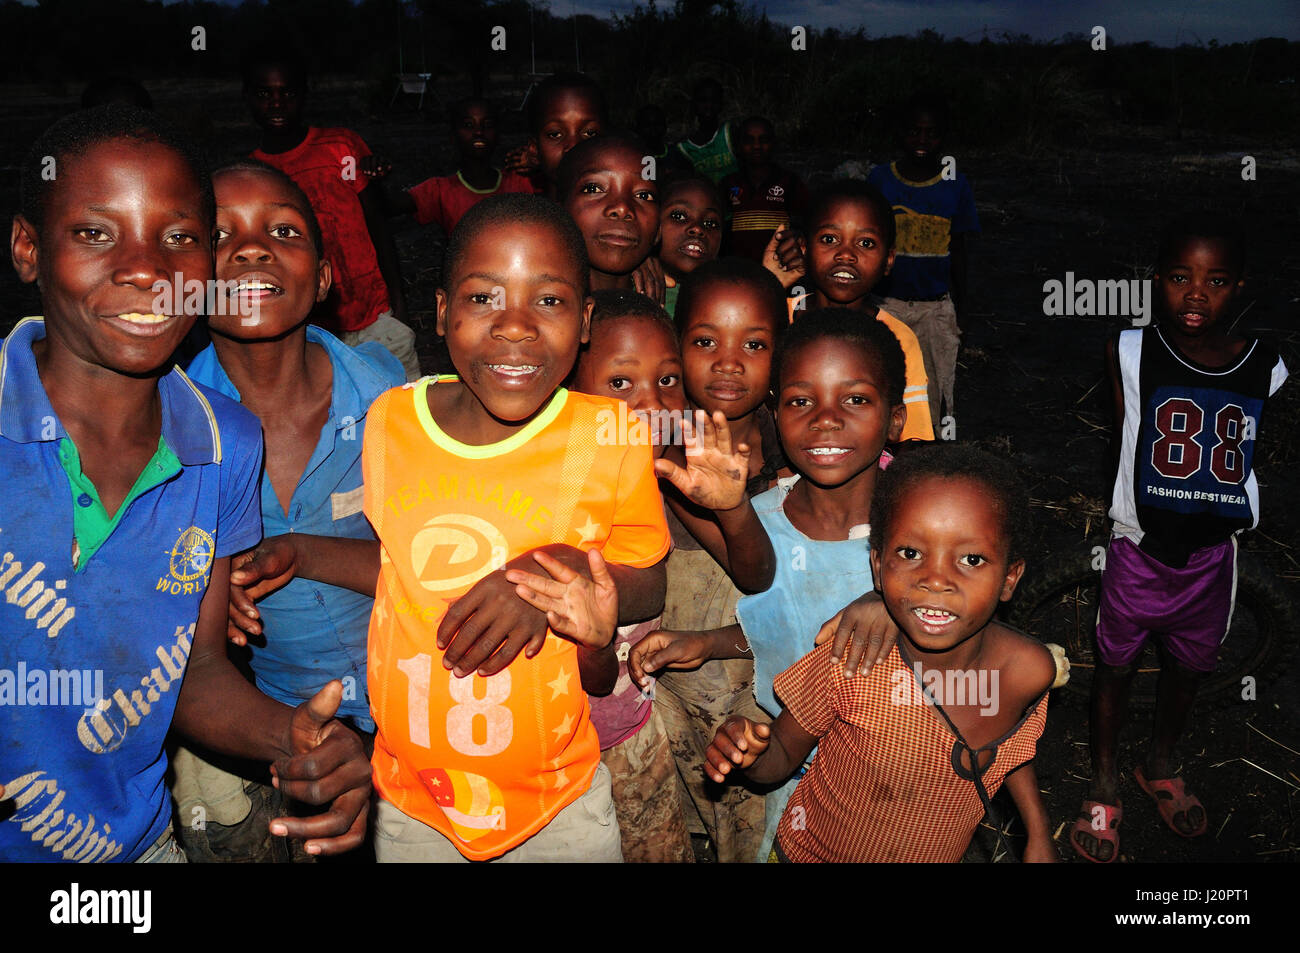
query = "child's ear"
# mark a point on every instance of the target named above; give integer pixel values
(875, 568)
(441, 326)
(324, 279)
(1014, 572)
(889, 261)
(24, 248)
(897, 421)
(585, 334)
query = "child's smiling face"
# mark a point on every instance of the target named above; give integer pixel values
(846, 251)
(944, 567)
(571, 116)
(690, 229)
(616, 210)
(832, 411)
(634, 359)
(1197, 285)
(276, 99)
(513, 317)
(263, 242)
(475, 131)
(922, 136)
(123, 215)
(727, 349)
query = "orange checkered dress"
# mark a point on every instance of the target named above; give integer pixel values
(882, 786)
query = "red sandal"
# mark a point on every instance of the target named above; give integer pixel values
(1172, 799)
(1110, 815)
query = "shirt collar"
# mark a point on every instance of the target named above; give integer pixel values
(189, 426)
(355, 386)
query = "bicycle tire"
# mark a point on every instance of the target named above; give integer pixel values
(1060, 605)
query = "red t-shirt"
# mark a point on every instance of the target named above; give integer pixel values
(326, 167)
(446, 198)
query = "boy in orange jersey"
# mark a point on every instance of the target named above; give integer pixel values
(469, 477)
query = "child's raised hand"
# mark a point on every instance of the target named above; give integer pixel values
(327, 766)
(524, 160)
(783, 256)
(716, 473)
(581, 609)
(265, 568)
(738, 743)
(375, 167)
(648, 279)
(865, 628)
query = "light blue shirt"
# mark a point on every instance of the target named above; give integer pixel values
(814, 580)
(316, 632)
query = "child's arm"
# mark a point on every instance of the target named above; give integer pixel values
(714, 479)
(767, 754)
(373, 205)
(492, 618)
(314, 758)
(1022, 783)
(349, 563)
(684, 650)
(1117, 400)
(583, 610)
(865, 628)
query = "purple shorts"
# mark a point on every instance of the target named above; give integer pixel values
(1187, 609)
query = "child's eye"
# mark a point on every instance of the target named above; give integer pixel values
(868, 243)
(553, 134)
(285, 231)
(971, 560)
(590, 133)
(550, 301)
(94, 235)
(589, 188)
(907, 552)
(670, 380)
(1218, 282)
(646, 195)
(858, 400)
(756, 345)
(619, 384)
(182, 239)
(677, 215)
(481, 298)
(219, 235)
(799, 402)
(1178, 279)
(827, 239)
(711, 223)
(702, 342)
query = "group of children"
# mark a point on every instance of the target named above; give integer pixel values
(570, 601)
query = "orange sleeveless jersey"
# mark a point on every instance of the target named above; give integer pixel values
(489, 761)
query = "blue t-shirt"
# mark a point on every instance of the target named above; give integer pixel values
(814, 580)
(92, 659)
(316, 632)
(927, 215)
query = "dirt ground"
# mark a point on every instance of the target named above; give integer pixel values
(1028, 386)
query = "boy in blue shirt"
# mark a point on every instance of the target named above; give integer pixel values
(933, 212)
(130, 487)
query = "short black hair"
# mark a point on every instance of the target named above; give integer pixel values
(734, 271)
(1209, 225)
(955, 461)
(757, 121)
(274, 52)
(681, 180)
(510, 209)
(856, 330)
(461, 106)
(77, 133)
(706, 82)
(850, 189)
(566, 174)
(559, 82)
(289, 185)
(115, 89)
(928, 101)
(614, 303)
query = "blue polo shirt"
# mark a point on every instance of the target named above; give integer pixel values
(316, 632)
(97, 631)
